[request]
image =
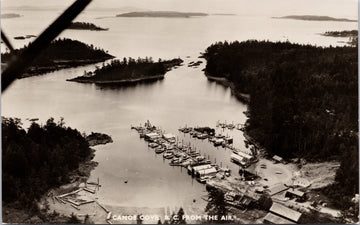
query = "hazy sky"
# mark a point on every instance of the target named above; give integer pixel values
(338, 8)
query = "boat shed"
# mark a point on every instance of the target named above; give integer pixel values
(152, 136)
(244, 155)
(285, 212)
(274, 219)
(237, 159)
(277, 188)
(201, 167)
(206, 172)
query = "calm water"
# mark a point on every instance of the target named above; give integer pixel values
(183, 97)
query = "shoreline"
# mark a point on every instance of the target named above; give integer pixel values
(244, 98)
(58, 65)
(122, 81)
(78, 178)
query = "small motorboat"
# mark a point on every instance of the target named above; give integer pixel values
(159, 150)
(168, 155)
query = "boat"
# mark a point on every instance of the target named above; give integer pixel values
(230, 126)
(200, 158)
(217, 136)
(202, 136)
(168, 155)
(218, 141)
(153, 145)
(213, 139)
(159, 150)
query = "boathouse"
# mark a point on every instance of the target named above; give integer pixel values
(274, 219)
(285, 212)
(246, 156)
(277, 188)
(238, 159)
(206, 172)
(152, 136)
(195, 169)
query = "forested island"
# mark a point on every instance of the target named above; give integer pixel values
(61, 53)
(303, 102)
(345, 33)
(166, 14)
(128, 71)
(37, 160)
(315, 18)
(85, 26)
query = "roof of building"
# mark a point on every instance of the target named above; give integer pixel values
(244, 155)
(277, 188)
(274, 219)
(246, 200)
(296, 192)
(285, 212)
(207, 171)
(277, 158)
(236, 156)
(202, 167)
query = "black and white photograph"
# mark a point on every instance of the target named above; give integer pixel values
(179, 112)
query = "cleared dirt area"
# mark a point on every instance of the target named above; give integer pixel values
(319, 174)
(273, 173)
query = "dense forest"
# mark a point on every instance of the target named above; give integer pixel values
(38, 159)
(303, 100)
(61, 53)
(85, 26)
(128, 70)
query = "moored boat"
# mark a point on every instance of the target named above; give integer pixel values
(168, 155)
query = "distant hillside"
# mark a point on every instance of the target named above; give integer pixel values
(61, 53)
(168, 14)
(85, 26)
(314, 18)
(128, 71)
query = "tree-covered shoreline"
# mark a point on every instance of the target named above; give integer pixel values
(303, 101)
(40, 159)
(85, 26)
(61, 53)
(128, 70)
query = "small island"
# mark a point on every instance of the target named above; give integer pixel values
(61, 53)
(345, 33)
(10, 15)
(165, 14)
(98, 139)
(128, 71)
(85, 26)
(314, 18)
